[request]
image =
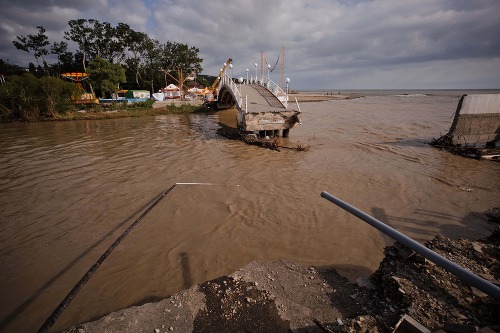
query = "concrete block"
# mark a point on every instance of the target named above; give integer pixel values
(409, 325)
(403, 251)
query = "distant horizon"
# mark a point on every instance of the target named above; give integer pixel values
(398, 89)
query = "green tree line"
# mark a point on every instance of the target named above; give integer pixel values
(111, 55)
(142, 57)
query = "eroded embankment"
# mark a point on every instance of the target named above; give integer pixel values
(285, 296)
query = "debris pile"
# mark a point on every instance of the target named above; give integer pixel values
(488, 152)
(410, 290)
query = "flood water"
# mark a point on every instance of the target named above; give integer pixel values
(68, 190)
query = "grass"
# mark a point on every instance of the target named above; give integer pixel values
(94, 112)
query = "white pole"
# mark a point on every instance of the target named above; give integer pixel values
(268, 77)
(255, 72)
(450, 266)
(287, 82)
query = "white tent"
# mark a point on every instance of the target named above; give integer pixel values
(171, 91)
(159, 96)
(171, 87)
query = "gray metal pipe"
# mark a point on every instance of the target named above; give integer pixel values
(462, 273)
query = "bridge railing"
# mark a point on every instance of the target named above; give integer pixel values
(275, 89)
(236, 92)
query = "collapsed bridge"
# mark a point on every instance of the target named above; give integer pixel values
(475, 131)
(263, 108)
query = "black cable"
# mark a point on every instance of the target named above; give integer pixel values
(67, 300)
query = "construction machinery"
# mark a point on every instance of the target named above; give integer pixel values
(211, 92)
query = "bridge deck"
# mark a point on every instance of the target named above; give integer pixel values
(260, 99)
(262, 113)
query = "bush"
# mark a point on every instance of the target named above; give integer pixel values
(28, 98)
(141, 105)
(57, 95)
(18, 97)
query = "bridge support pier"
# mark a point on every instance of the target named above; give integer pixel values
(274, 133)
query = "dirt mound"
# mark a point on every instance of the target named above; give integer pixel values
(406, 283)
(233, 305)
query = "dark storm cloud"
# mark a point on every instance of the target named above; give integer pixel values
(333, 43)
(20, 18)
(408, 37)
(325, 36)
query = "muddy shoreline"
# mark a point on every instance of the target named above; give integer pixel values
(285, 296)
(304, 97)
(110, 111)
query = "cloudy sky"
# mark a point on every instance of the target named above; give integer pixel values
(358, 44)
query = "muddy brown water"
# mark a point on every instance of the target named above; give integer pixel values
(69, 189)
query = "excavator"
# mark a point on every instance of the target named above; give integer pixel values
(211, 93)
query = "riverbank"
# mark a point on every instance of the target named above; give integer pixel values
(110, 111)
(406, 294)
(179, 107)
(305, 97)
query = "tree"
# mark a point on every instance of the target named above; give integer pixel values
(64, 57)
(176, 56)
(104, 41)
(117, 42)
(80, 33)
(137, 45)
(35, 43)
(151, 66)
(203, 81)
(105, 75)
(7, 68)
(98, 39)
(143, 57)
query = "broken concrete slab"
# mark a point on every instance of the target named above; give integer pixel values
(409, 325)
